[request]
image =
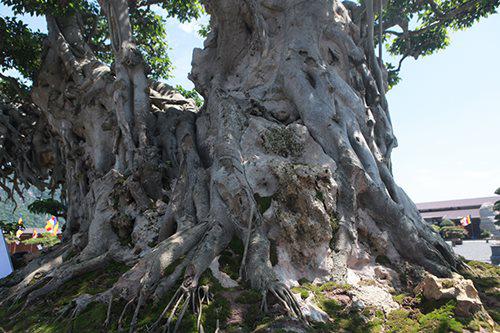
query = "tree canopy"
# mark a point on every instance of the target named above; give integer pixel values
(410, 28)
(415, 28)
(21, 47)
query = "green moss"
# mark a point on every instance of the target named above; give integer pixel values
(382, 260)
(254, 317)
(283, 142)
(335, 225)
(90, 283)
(303, 281)
(330, 286)
(399, 321)
(40, 317)
(486, 278)
(440, 320)
(448, 283)
(219, 309)
(304, 293)
(92, 319)
(399, 298)
(230, 258)
(263, 203)
(249, 297)
(429, 316)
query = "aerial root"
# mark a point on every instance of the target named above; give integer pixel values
(178, 305)
(286, 298)
(263, 304)
(13, 298)
(108, 313)
(76, 307)
(247, 237)
(133, 322)
(203, 297)
(122, 315)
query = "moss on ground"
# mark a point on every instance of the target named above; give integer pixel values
(421, 315)
(40, 317)
(416, 313)
(249, 297)
(486, 278)
(230, 258)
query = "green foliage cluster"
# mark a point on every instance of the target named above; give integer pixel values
(448, 229)
(151, 37)
(46, 240)
(204, 30)
(10, 211)
(193, 94)
(15, 39)
(452, 232)
(21, 48)
(436, 228)
(447, 223)
(420, 28)
(9, 228)
(47, 206)
(184, 10)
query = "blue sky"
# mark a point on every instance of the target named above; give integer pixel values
(445, 112)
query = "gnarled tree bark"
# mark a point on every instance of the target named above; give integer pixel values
(290, 153)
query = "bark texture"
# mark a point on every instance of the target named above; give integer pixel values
(290, 153)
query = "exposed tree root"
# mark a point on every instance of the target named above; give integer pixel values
(122, 314)
(107, 321)
(327, 87)
(187, 294)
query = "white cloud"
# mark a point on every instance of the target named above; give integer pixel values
(188, 27)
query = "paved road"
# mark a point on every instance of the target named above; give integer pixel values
(478, 250)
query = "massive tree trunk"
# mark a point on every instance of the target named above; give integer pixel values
(290, 154)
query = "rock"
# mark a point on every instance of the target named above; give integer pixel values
(224, 279)
(358, 305)
(345, 300)
(457, 288)
(311, 311)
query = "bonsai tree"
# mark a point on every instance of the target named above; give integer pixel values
(290, 154)
(447, 223)
(453, 232)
